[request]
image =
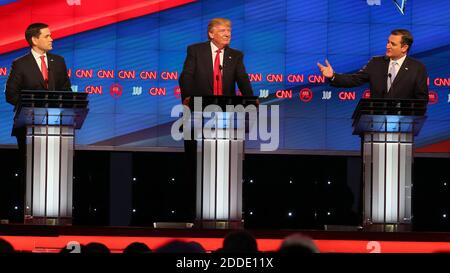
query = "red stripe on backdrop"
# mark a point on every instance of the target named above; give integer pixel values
(65, 19)
(441, 147)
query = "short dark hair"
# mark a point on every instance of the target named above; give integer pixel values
(5, 247)
(136, 248)
(407, 38)
(239, 241)
(34, 30)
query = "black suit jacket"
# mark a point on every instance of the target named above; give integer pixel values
(410, 82)
(197, 76)
(25, 75)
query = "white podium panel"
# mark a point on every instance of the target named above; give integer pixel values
(220, 155)
(387, 159)
(49, 174)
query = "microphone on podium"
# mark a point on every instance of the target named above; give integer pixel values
(390, 83)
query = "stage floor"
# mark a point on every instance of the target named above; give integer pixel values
(44, 239)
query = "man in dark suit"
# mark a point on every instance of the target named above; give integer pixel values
(213, 68)
(394, 75)
(210, 68)
(37, 70)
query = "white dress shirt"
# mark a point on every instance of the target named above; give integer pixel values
(37, 58)
(214, 48)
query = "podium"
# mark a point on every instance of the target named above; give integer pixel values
(50, 118)
(387, 128)
(219, 125)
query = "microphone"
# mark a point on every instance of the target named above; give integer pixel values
(390, 81)
(50, 80)
(217, 76)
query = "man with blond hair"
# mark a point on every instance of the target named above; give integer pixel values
(212, 67)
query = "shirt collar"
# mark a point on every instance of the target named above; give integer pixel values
(37, 55)
(214, 48)
(399, 61)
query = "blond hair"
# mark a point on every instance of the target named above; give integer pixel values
(217, 22)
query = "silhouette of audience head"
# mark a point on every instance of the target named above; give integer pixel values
(239, 242)
(298, 243)
(177, 246)
(137, 248)
(6, 247)
(95, 248)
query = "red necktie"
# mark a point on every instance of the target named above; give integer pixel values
(217, 75)
(44, 71)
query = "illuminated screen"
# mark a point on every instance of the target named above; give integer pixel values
(129, 54)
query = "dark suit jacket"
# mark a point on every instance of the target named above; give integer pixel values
(25, 75)
(197, 76)
(410, 82)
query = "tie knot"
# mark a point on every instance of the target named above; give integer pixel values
(218, 51)
(42, 57)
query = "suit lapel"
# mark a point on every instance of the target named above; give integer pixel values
(227, 58)
(385, 75)
(206, 58)
(51, 80)
(35, 71)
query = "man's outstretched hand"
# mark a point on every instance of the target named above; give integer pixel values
(327, 70)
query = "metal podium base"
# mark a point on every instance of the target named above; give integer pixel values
(172, 225)
(387, 227)
(219, 224)
(49, 221)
